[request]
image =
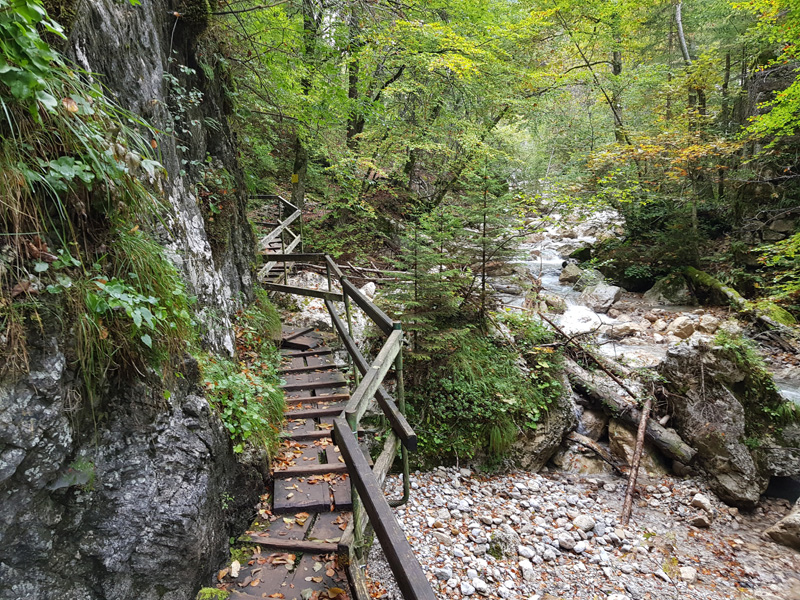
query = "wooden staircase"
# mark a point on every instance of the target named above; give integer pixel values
(297, 546)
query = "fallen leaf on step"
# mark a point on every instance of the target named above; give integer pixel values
(235, 566)
(317, 567)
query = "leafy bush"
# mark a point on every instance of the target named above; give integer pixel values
(250, 406)
(765, 408)
(478, 398)
(247, 395)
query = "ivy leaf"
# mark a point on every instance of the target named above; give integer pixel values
(41, 267)
(147, 340)
(49, 102)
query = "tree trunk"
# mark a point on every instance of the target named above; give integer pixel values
(353, 116)
(666, 440)
(627, 506)
(616, 70)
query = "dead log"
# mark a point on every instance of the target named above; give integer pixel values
(605, 394)
(770, 315)
(601, 452)
(627, 505)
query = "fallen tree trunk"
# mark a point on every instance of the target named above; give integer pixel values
(768, 313)
(666, 440)
(601, 452)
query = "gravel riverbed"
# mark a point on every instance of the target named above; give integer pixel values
(556, 535)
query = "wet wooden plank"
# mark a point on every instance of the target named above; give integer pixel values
(317, 398)
(333, 410)
(293, 496)
(342, 493)
(286, 527)
(310, 468)
(293, 545)
(329, 526)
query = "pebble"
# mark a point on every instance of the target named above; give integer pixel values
(560, 537)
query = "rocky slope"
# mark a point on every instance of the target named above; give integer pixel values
(129, 501)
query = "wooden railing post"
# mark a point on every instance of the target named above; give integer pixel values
(400, 394)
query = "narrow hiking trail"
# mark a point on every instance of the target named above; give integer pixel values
(295, 539)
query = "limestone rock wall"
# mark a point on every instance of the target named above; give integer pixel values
(136, 498)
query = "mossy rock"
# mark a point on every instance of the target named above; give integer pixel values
(775, 312)
(212, 594)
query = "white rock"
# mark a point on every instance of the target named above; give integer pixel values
(688, 574)
(467, 589)
(702, 501)
(584, 522)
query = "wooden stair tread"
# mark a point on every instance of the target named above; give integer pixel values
(311, 413)
(325, 398)
(310, 469)
(291, 545)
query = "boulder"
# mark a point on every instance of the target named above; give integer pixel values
(588, 278)
(708, 324)
(670, 290)
(555, 303)
(506, 540)
(709, 417)
(622, 330)
(570, 273)
(532, 450)
(600, 297)
(592, 423)
(682, 327)
(622, 442)
(787, 531)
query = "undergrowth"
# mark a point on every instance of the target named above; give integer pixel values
(78, 175)
(765, 408)
(246, 393)
(479, 397)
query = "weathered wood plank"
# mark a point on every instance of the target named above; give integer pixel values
(297, 496)
(312, 413)
(359, 401)
(327, 398)
(291, 545)
(312, 385)
(407, 571)
(380, 318)
(397, 420)
(291, 289)
(310, 469)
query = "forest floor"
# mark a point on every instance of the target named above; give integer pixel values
(555, 536)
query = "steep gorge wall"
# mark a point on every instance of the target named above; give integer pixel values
(129, 501)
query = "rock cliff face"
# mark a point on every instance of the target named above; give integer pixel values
(708, 397)
(132, 501)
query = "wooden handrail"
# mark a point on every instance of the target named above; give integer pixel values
(396, 419)
(379, 317)
(276, 233)
(407, 571)
(365, 391)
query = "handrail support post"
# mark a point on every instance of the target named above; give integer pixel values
(401, 406)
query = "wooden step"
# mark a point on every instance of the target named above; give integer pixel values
(304, 353)
(297, 334)
(312, 385)
(311, 369)
(290, 545)
(327, 398)
(312, 413)
(306, 435)
(311, 469)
